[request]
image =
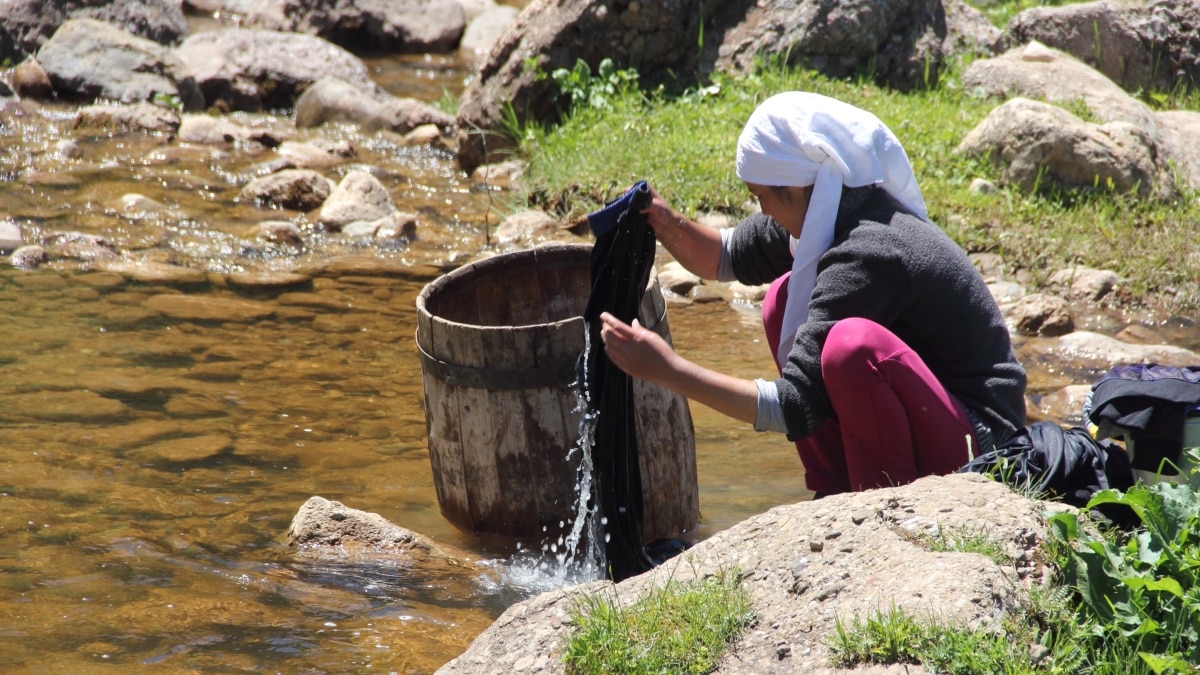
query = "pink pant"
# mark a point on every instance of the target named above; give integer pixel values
(893, 421)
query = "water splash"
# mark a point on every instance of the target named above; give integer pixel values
(578, 556)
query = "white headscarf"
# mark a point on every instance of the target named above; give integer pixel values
(797, 139)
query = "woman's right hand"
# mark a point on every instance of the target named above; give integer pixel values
(660, 215)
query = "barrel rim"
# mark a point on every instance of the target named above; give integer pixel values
(435, 287)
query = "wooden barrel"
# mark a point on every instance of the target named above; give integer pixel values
(499, 340)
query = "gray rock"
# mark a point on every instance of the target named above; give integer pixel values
(209, 308)
(254, 70)
(331, 100)
(1179, 143)
(1042, 314)
(359, 196)
(800, 585)
(1140, 46)
(676, 278)
(10, 236)
(32, 22)
(30, 80)
(1084, 283)
(1039, 146)
(1040, 72)
(139, 117)
(389, 26)
(484, 31)
(278, 232)
(503, 175)
(298, 189)
(28, 257)
(88, 59)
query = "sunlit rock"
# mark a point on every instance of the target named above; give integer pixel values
(1065, 405)
(253, 70)
(359, 196)
(278, 232)
(332, 527)
(485, 30)
(739, 292)
(190, 449)
(314, 155)
(297, 189)
(75, 405)
(209, 308)
(123, 383)
(1042, 314)
(1085, 283)
(28, 257)
(674, 277)
(155, 272)
(30, 80)
(10, 236)
(267, 279)
(139, 117)
(334, 100)
(90, 60)
(502, 175)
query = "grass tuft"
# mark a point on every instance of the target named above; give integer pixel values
(678, 628)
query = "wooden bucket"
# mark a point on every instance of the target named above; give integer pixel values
(498, 341)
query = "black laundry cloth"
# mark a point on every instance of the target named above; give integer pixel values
(621, 261)
(1145, 403)
(1066, 465)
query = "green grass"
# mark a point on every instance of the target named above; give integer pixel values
(677, 628)
(684, 144)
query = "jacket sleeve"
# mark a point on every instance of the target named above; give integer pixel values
(759, 250)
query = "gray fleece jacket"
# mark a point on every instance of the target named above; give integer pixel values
(904, 273)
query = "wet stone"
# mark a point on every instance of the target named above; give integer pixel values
(156, 273)
(267, 279)
(183, 449)
(125, 383)
(101, 279)
(224, 371)
(127, 435)
(196, 406)
(62, 406)
(206, 308)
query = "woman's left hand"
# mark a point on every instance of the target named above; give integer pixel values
(639, 352)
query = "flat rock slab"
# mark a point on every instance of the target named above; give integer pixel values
(207, 308)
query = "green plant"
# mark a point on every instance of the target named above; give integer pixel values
(1142, 587)
(166, 100)
(966, 540)
(677, 628)
(595, 91)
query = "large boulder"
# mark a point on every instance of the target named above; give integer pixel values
(391, 26)
(1040, 72)
(904, 43)
(88, 59)
(254, 70)
(1179, 143)
(32, 22)
(1039, 146)
(1139, 46)
(811, 566)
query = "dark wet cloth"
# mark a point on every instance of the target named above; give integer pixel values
(1066, 465)
(621, 261)
(1145, 404)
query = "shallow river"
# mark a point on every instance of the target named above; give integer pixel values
(153, 452)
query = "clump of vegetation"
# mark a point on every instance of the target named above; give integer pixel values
(678, 628)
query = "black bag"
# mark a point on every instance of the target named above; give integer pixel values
(1145, 404)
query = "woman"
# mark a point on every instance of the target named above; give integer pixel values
(894, 360)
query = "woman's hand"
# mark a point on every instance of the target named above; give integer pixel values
(644, 354)
(639, 352)
(661, 217)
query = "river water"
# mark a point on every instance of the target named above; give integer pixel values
(158, 434)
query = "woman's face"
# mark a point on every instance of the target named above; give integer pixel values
(787, 205)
